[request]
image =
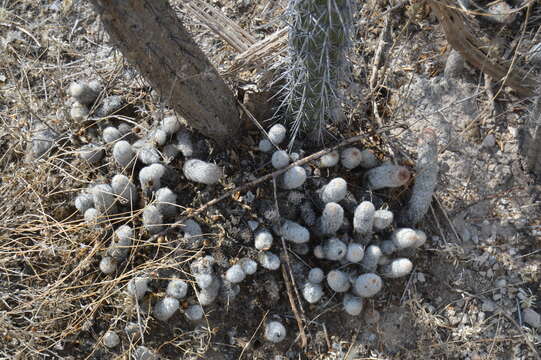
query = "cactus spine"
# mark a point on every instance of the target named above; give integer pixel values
(319, 38)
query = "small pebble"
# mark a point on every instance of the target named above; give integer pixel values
(204, 280)
(368, 285)
(143, 353)
(280, 159)
(269, 261)
(91, 153)
(531, 317)
(489, 141)
(294, 232)
(78, 111)
(312, 292)
(488, 306)
(265, 145)
(107, 265)
(177, 288)
(202, 172)
(293, 178)
(170, 125)
(318, 252)
(355, 253)
(330, 159)
(335, 249)
(277, 134)
(501, 13)
(353, 305)
(253, 224)
(111, 339)
(138, 286)
(109, 106)
(111, 134)
(235, 274)
(351, 157)
(263, 240)
(338, 281)
(275, 332)
(194, 312)
(165, 308)
(316, 275)
(248, 265)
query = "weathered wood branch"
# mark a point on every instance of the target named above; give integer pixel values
(461, 37)
(153, 38)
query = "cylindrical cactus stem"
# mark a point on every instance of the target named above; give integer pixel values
(319, 38)
(425, 179)
(371, 257)
(294, 232)
(368, 285)
(334, 191)
(397, 268)
(387, 175)
(331, 219)
(382, 219)
(363, 219)
(338, 281)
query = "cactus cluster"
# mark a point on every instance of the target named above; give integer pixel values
(141, 160)
(364, 241)
(356, 244)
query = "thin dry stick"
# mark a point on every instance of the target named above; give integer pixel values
(288, 263)
(447, 218)
(379, 53)
(304, 340)
(375, 85)
(406, 288)
(286, 255)
(514, 59)
(438, 224)
(350, 355)
(253, 335)
(241, 188)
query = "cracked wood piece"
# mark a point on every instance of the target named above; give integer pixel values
(461, 37)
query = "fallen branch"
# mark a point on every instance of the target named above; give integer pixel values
(462, 38)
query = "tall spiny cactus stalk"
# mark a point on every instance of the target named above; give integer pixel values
(425, 180)
(319, 38)
(532, 144)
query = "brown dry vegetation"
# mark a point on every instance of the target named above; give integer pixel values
(55, 302)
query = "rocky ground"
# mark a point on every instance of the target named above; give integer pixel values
(474, 289)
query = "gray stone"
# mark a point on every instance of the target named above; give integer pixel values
(488, 306)
(532, 318)
(489, 141)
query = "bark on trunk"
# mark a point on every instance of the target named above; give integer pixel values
(151, 37)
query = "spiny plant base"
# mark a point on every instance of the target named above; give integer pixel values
(319, 39)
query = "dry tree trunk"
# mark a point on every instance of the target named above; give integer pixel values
(151, 37)
(532, 141)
